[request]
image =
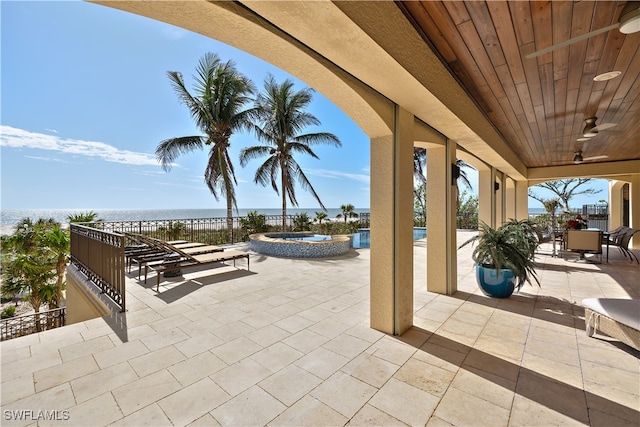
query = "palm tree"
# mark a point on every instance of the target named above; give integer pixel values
(348, 211)
(89, 216)
(320, 216)
(281, 117)
(220, 94)
(463, 178)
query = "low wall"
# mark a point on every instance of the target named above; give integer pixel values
(274, 244)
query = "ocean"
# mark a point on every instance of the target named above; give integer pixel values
(10, 217)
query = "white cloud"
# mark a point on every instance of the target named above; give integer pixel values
(47, 159)
(52, 130)
(19, 138)
(337, 174)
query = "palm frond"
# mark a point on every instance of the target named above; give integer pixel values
(170, 149)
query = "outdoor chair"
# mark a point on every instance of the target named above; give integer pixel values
(622, 240)
(584, 241)
(158, 250)
(185, 261)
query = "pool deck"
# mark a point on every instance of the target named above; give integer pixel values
(288, 343)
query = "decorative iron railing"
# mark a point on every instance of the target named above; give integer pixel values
(18, 326)
(212, 231)
(364, 220)
(99, 254)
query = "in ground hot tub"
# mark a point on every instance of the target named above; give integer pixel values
(299, 245)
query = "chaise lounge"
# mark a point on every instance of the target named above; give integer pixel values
(184, 260)
(615, 317)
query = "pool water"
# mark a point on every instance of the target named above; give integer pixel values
(362, 239)
(314, 238)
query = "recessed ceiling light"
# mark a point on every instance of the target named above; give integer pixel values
(607, 76)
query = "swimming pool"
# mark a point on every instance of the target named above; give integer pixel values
(362, 239)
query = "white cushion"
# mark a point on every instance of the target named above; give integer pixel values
(625, 311)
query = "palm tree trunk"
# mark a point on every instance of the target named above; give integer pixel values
(229, 220)
(284, 201)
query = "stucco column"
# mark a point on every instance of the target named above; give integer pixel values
(616, 204)
(391, 284)
(441, 220)
(509, 198)
(634, 209)
(522, 200)
(485, 197)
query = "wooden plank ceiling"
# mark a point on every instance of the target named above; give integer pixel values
(539, 105)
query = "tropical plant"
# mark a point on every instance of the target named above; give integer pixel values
(89, 216)
(10, 311)
(217, 107)
(420, 205)
(281, 117)
(254, 222)
(419, 162)
(301, 222)
(467, 215)
(34, 260)
(320, 216)
(57, 243)
(510, 246)
(348, 211)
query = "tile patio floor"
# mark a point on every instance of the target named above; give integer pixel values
(289, 344)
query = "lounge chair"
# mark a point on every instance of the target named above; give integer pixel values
(615, 317)
(185, 261)
(158, 250)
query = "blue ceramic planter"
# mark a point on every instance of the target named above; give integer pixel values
(497, 285)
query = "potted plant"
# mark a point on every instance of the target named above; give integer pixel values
(504, 257)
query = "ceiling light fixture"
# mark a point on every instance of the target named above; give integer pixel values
(630, 18)
(607, 76)
(577, 159)
(588, 131)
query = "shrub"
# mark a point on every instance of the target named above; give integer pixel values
(8, 312)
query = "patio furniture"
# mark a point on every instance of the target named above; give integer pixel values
(160, 250)
(584, 241)
(191, 261)
(617, 318)
(621, 241)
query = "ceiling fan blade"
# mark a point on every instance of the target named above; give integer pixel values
(586, 159)
(572, 41)
(603, 126)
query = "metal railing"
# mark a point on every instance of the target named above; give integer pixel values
(99, 254)
(212, 231)
(18, 326)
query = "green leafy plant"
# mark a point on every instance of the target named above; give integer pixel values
(301, 222)
(511, 246)
(8, 312)
(254, 222)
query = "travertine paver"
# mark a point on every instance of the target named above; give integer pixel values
(289, 344)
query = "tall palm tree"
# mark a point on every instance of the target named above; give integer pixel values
(281, 117)
(348, 211)
(463, 178)
(220, 93)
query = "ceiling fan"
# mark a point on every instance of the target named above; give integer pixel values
(590, 129)
(629, 22)
(577, 158)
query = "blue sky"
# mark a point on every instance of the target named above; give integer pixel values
(85, 100)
